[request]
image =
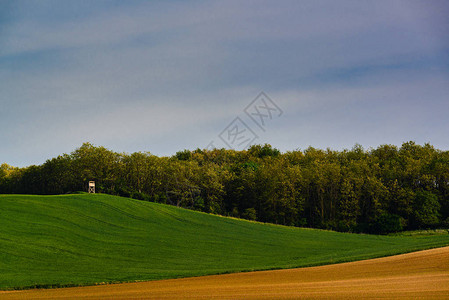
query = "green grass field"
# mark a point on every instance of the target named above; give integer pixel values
(85, 239)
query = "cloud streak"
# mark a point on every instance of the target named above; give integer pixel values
(160, 77)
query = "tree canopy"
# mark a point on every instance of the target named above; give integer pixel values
(379, 190)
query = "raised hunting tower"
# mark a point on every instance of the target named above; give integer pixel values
(91, 187)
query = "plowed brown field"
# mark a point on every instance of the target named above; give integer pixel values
(423, 274)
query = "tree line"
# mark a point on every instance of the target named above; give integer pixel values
(380, 190)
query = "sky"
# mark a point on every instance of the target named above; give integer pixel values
(163, 76)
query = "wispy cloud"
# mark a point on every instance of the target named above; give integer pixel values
(163, 76)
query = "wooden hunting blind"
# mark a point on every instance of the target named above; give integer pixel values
(91, 187)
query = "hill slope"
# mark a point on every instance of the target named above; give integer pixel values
(87, 239)
(418, 275)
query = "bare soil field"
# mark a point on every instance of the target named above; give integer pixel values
(423, 274)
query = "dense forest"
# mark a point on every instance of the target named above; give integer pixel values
(380, 190)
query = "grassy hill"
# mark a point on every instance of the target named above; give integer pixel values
(86, 239)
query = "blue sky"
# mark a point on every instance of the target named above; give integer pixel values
(164, 76)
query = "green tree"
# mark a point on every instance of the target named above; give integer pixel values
(386, 223)
(426, 209)
(263, 151)
(98, 164)
(348, 206)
